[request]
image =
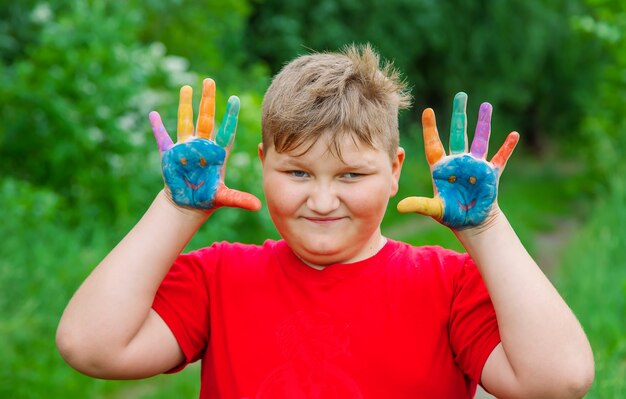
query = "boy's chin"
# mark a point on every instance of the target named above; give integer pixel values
(323, 255)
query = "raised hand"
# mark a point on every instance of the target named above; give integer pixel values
(194, 167)
(465, 184)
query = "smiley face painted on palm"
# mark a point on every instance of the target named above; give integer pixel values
(192, 172)
(466, 184)
(467, 187)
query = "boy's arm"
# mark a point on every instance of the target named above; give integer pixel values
(108, 329)
(543, 351)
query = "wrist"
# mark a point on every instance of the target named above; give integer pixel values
(495, 235)
(495, 219)
(193, 215)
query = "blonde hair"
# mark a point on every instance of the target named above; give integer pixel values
(334, 93)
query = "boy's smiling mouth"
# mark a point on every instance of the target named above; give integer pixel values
(323, 220)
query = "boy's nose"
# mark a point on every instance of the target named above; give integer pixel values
(323, 199)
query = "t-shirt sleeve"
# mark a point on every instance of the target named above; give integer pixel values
(182, 301)
(473, 325)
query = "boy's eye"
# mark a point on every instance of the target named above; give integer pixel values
(298, 173)
(351, 175)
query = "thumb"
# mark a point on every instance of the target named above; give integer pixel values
(224, 196)
(432, 207)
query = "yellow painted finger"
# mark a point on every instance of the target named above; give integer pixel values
(185, 114)
(432, 207)
(432, 143)
(206, 115)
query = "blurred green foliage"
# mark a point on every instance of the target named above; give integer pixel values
(522, 56)
(79, 166)
(592, 280)
(604, 124)
(593, 277)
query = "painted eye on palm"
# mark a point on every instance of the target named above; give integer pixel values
(465, 184)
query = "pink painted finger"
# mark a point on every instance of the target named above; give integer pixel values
(206, 115)
(432, 143)
(502, 156)
(480, 144)
(164, 141)
(224, 196)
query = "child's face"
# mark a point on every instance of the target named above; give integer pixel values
(327, 209)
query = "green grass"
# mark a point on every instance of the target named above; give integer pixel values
(43, 259)
(592, 279)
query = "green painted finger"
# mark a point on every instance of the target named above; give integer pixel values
(226, 133)
(458, 125)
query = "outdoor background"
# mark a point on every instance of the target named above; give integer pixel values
(78, 164)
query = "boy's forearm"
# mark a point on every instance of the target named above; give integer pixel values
(112, 304)
(540, 335)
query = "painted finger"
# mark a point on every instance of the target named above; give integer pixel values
(224, 196)
(480, 144)
(206, 115)
(458, 125)
(185, 114)
(432, 143)
(226, 133)
(432, 207)
(502, 156)
(164, 141)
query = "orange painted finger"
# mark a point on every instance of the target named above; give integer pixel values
(236, 199)
(206, 115)
(185, 114)
(502, 156)
(432, 143)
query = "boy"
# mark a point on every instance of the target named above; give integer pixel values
(334, 309)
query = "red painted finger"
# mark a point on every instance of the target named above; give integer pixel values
(502, 156)
(236, 199)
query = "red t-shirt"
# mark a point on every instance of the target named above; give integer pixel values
(409, 322)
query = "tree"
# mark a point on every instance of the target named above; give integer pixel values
(521, 56)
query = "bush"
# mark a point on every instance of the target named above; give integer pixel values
(74, 102)
(522, 56)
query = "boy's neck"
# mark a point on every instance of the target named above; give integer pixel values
(373, 249)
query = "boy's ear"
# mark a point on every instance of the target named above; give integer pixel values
(260, 152)
(396, 168)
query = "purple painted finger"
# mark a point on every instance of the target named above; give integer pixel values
(164, 141)
(480, 144)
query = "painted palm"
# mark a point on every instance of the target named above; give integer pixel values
(465, 184)
(194, 167)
